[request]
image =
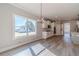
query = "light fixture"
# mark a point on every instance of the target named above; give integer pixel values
(41, 16)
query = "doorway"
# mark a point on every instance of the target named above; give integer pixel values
(67, 32)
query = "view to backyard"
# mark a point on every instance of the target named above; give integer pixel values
(24, 26)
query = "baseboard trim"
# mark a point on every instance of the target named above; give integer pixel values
(11, 47)
(14, 46)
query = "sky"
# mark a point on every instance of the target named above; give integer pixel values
(19, 21)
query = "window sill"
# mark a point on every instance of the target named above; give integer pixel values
(20, 37)
(23, 37)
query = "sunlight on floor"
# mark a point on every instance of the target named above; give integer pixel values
(46, 52)
(24, 53)
(36, 50)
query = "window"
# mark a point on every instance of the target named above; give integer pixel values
(20, 27)
(31, 27)
(24, 26)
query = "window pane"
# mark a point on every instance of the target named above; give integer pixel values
(20, 27)
(31, 27)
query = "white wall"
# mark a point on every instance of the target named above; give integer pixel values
(7, 39)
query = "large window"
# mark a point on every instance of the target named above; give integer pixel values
(24, 26)
(31, 27)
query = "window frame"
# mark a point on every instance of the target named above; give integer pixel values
(25, 36)
(19, 37)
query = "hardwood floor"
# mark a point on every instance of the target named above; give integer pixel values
(56, 45)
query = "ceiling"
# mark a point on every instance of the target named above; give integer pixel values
(51, 10)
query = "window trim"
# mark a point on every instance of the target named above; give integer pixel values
(18, 37)
(27, 35)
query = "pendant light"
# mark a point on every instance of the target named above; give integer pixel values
(41, 17)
